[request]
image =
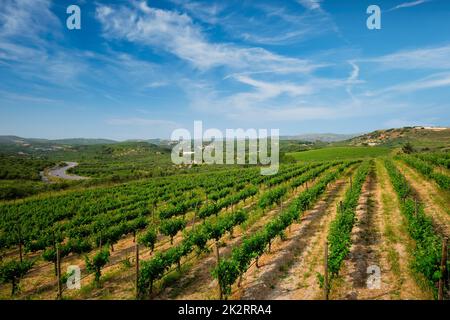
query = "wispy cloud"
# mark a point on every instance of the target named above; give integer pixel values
(279, 25)
(27, 98)
(354, 74)
(421, 58)
(16, 17)
(311, 4)
(430, 82)
(274, 99)
(176, 33)
(141, 122)
(276, 24)
(33, 51)
(274, 89)
(205, 12)
(408, 4)
(353, 79)
(156, 84)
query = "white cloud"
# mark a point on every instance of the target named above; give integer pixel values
(140, 122)
(408, 4)
(270, 89)
(36, 63)
(277, 24)
(274, 100)
(430, 82)
(354, 73)
(206, 12)
(178, 34)
(27, 98)
(422, 58)
(353, 79)
(25, 27)
(311, 4)
(27, 19)
(156, 84)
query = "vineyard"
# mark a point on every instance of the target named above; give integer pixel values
(316, 230)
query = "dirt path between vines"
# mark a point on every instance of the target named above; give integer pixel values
(395, 244)
(365, 252)
(271, 279)
(380, 243)
(436, 206)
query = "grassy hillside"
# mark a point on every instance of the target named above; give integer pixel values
(419, 137)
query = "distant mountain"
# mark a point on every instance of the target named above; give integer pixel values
(83, 141)
(424, 137)
(158, 142)
(323, 137)
(73, 141)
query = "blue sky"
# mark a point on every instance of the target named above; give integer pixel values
(140, 69)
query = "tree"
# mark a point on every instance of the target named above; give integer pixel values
(97, 263)
(408, 148)
(13, 271)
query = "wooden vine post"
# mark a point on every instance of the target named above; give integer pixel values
(195, 216)
(443, 269)
(218, 278)
(137, 270)
(325, 282)
(19, 231)
(58, 272)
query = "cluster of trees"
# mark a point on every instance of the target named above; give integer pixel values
(22, 167)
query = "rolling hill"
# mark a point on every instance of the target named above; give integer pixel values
(419, 137)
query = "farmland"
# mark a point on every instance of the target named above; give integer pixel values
(222, 232)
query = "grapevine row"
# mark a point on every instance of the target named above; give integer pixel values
(339, 237)
(428, 171)
(427, 252)
(155, 268)
(229, 270)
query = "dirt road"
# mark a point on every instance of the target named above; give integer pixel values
(61, 172)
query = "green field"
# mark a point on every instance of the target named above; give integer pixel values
(340, 153)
